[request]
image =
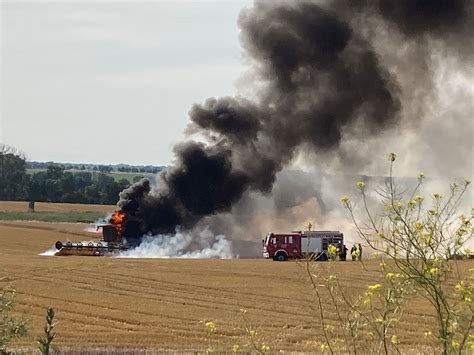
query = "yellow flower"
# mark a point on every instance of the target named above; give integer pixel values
(264, 348)
(211, 327)
(345, 200)
(461, 231)
(433, 271)
(470, 342)
(391, 275)
(421, 176)
(428, 333)
(360, 185)
(418, 198)
(394, 339)
(324, 346)
(419, 225)
(252, 333)
(392, 156)
(437, 196)
(454, 344)
(235, 348)
(374, 287)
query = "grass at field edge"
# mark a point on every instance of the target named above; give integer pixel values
(71, 216)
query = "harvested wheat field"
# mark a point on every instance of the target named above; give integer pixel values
(159, 304)
(22, 206)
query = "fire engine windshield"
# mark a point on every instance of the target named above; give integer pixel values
(270, 239)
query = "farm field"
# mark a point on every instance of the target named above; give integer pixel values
(22, 206)
(116, 304)
(53, 212)
(117, 175)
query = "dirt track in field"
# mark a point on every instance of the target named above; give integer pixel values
(111, 303)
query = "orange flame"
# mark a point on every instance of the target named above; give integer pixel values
(118, 220)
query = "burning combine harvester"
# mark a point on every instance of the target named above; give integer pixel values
(113, 240)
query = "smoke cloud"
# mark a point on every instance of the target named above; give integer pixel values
(334, 80)
(203, 245)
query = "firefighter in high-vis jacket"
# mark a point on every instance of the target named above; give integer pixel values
(356, 252)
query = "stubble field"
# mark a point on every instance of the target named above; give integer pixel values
(159, 304)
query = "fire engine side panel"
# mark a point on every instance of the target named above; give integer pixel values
(310, 244)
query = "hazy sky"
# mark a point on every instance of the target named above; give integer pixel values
(112, 82)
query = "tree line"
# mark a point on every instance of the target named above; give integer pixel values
(54, 184)
(125, 168)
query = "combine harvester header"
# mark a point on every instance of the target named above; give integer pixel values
(112, 241)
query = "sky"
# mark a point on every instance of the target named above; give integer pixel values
(112, 82)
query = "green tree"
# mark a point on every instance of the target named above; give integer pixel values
(12, 173)
(112, 190)
(137, 178)
(82, 180)
(68, 183)
(54, 172)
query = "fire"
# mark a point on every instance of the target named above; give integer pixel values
(118, 220)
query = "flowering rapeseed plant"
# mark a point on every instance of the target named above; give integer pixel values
(345, 201)
(264, 348)
(235, 348)
(360, 185)
(324, 346)
(211, 327)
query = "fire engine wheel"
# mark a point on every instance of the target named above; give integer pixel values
(280, 256)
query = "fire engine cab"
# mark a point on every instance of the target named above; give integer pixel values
(301, 244)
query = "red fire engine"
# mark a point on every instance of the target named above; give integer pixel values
(301, 244)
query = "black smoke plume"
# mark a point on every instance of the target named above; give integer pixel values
(319, 76)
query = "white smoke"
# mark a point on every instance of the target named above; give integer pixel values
(202, 245)
(49, 252)
(93, 227)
